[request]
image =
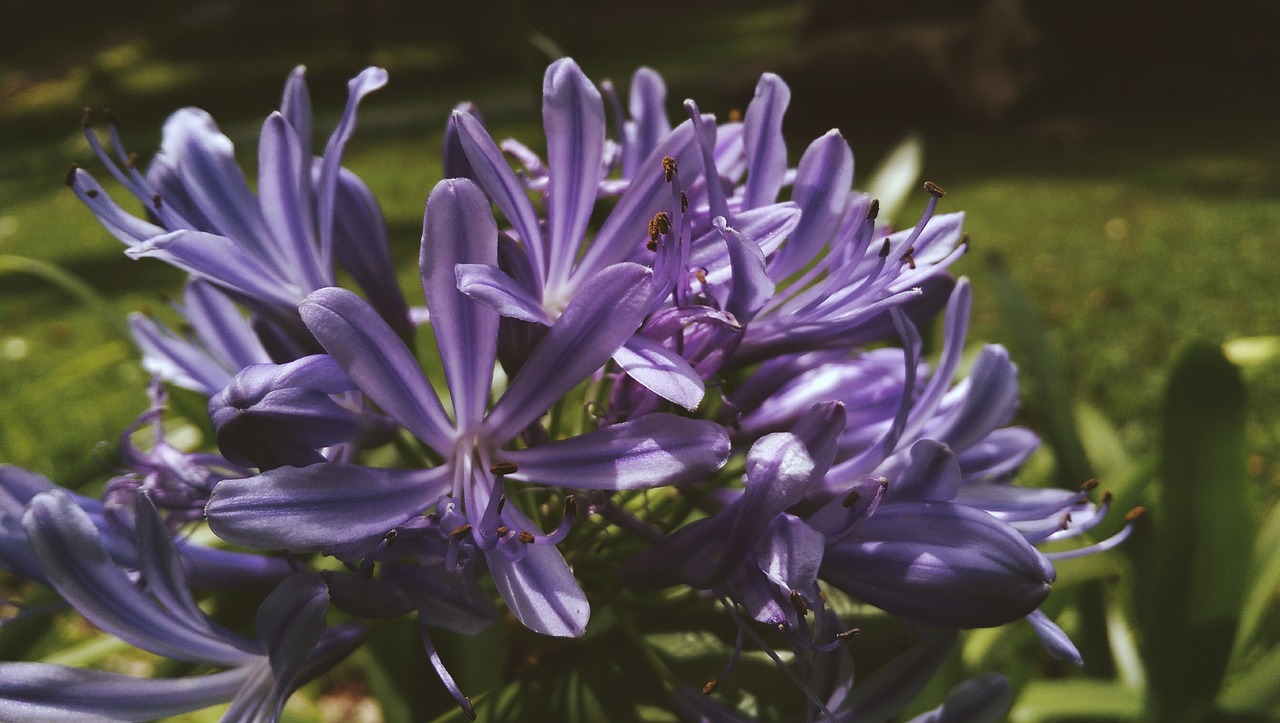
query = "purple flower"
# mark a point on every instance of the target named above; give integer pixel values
(267, 250)
(317, 507)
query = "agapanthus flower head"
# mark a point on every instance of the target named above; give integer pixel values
(739, 333)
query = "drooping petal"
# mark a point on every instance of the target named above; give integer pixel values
(378, 362)
(573, 116)
(56, 693)
(605, 313)
(320, 506)
(940, 563)
(661, 370)
(541, 591)
(766, 151)
(656, 449)
(295, 105)
(497, 290)
(459, 228)
(76, 565)
(223, 262)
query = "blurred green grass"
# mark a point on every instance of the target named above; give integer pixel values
(1133, 229)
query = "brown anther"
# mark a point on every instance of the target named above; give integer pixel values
(570, 506)
(884, 483)
(91, 193)
(735, 115)
(669, 169)
(911, 260)
(391, 536)
(964, 241)
(797, 602)
(112, 118)
(504, 468)
(502, 530)
(701, 276)
(658, 225)
(131, 160)
(1089, 485)
(711, 686)
(822, 596)
(85, 114)
(1065, 522)
(684, 202)
(460, 530)
(848, 634)
(884, 250)
(433, 517)
(934, 188)
(1135, 513)
(526, 537)
(1106, 496)
(69, 177)
(851, 499)
(155, 201)
(873, 210)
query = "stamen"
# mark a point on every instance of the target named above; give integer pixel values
(571, 506)
(1089, 485)
(504, 468)
(884, 250)
(847, 634)
(502, 530)
(460, 531)
(85, 114)
(112, 118)
(1130, 517)
(797, 601)
(669, 168)
(906, 256)
(155, 200)
(131, 161)
(70, 177)
(735, 115)
(711, 686)
(526, 537)
(873, 210)
(91, 193)
(463, 701)
(684, 202)
(1135, 513)
(659, 225)
(934, 188)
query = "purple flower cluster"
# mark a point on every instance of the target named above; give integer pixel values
(739, 332)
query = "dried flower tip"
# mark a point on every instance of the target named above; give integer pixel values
(669, 168)
(934, 188)
(70, 177)
(391, 536)
(1135, 513)
(873, 210)
(526, 537)
(504, 468)
(711, 686)
(460, 531)
(91, 193)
